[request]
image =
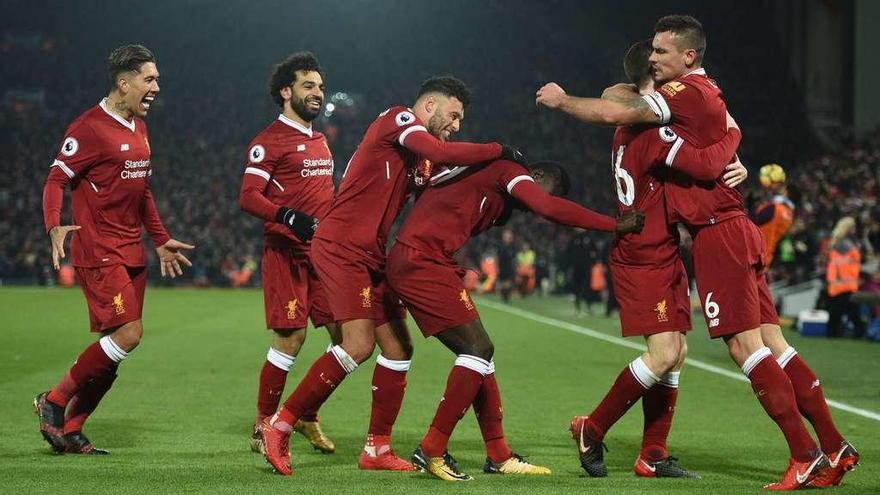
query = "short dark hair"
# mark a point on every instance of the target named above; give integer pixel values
(636, 64)
(447, 86)
(686, 28)
(285, 73)
(555, 172)
(127, 58)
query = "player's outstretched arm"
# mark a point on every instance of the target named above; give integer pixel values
(427, 146)
(171, 257)
(53, 197)
(559, 210)
(617, 111)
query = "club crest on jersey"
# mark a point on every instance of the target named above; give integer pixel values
(660, 309)
(256, 154)
(291, 309)
(466, 299)
(366, 298)
(404, 118)
(667, 134)
(119, 304)
(70, 146)
(673, 88)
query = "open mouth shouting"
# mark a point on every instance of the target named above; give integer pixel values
(147, 101)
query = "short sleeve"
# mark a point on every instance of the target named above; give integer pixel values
(400, 122)
(262, 158)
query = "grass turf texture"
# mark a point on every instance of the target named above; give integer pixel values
(179, 416)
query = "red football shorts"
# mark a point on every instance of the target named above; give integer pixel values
(114, 294)
(432, 290)
(731, 277)
(291, 290)
(652, 299)
(355, 284)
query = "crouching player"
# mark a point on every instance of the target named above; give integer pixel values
(422, 272)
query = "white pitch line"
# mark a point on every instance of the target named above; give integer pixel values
(632, 345)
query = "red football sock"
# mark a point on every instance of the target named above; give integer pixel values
(658, 405)
(461, 388)
(83, 404)
(389, 386)
(811, 402)
(629, 387)
(320, 381)
(93, 362)
(487, 407)
(272, 381)
(774, 392)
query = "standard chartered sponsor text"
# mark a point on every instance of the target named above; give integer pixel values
(128, 173)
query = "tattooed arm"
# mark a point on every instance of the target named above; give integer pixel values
(615, 108)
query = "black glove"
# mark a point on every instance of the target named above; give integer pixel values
(510, 153)
(302, 225)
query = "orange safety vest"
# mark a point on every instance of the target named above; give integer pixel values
(775, 229)
(597, 277)
(843, 271)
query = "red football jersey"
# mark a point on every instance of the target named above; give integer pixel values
(288, 165)
(106, 161)
(376, 181)
(693, 104)
(446, 215)
(640, 185)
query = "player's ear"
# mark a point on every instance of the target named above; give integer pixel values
(430, 103)
(286, 92)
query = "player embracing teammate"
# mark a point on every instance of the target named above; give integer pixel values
(398, 152)
(728, 252)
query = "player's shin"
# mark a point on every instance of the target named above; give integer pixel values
(487, 407)
(462, 386)
(811, 399)
(316, 386)
(84, 403)
(273, 377)
(658, 405)
(389, 385)
(774, 391)
(96, 360)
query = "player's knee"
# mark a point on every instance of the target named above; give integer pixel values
(289, 341)
(360, 351)
(128, 336)
(682, 353)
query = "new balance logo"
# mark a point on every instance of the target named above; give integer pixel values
(300, 147)
(123, 147)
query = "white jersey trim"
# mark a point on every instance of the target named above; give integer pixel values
(258, 172)
(127, 123)
(296, 125)
(516, 180)
(658, 106)
(64, 168)
(673, 151)
(408, 131)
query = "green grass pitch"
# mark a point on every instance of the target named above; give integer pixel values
(179, 416)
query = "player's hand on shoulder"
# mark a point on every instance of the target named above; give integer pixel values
(511, 153)
(550, 95)
(735, 173)
(630, 221)
(303, 226)
(170, 257)
(57, 235)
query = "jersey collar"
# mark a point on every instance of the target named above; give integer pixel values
(127, 123)
(296, 125)
(700, 72)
